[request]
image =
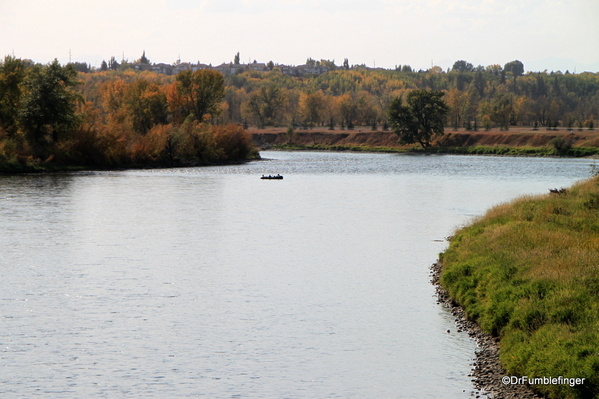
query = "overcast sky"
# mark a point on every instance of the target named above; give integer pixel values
(543, 34)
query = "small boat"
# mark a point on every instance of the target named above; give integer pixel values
(269, 177)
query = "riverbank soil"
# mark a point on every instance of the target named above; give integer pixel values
(365, 136)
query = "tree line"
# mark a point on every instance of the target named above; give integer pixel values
(477, 97)
(50, 115)
(52, 112)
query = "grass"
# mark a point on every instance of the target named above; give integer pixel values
(528, 272)
(474, 150)
(326, 147)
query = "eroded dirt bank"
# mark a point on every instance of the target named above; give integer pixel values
(517, 137)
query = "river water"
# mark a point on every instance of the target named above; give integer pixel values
(209, 282)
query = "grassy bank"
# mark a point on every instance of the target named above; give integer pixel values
(472, 150)
(528, 272)
(508, 150)
(347, 147)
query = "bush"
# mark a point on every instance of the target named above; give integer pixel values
(562, 144)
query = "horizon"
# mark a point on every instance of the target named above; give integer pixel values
(449, 66)
(549, 34)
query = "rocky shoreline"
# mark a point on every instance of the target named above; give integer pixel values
(487, 372)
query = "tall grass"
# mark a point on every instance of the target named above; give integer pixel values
(528, 272)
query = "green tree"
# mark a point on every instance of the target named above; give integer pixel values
(113, 64)
(329, 64)
(146, 105)
(143, 59)
(515, 67)
(462, 66)
(421, 119)
(236, 59)
(500, 110)
(81, 66)
(50, 104)
(480, 84)
(12, 74)
(202, 92)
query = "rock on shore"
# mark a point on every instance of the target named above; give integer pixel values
(487, 372)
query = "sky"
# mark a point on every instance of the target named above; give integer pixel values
(543, 34)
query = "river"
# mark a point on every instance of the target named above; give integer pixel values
(209, 282)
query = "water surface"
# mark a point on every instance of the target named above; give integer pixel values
(209, 282)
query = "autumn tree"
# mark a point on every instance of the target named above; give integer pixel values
(458, 103)
(421, 119)
(265, 105)
(202, 92)
(312, 107)
(501, 110)
(113, 94)
(348, 109)
(495, 69)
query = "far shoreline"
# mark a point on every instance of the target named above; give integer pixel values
(519, 141)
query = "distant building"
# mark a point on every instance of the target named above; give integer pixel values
(313, 69)
(184, 66)
(138, 66)
(229, 68)
(286, 69)
(165, 69)
(258, 66)
(199, 67)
